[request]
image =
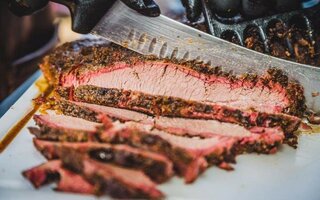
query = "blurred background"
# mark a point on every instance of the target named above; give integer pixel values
(23, 40)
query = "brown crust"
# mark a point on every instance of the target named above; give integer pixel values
(288, 124)
(168, 106)
(104, 183)
(77, 111)
(52, 134)
(260, 147)
(181, 158)
(53, 171)
(91, 55)
(156, 169)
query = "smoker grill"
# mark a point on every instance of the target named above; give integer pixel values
(300, 43)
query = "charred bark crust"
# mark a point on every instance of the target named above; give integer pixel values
(168, 106)
(84, 56)
(52, 134)
(179, 156)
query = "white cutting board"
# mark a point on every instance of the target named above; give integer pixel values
(288, 175)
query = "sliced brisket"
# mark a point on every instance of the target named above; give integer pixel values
(106, 66)
(257, 139)
(174, 107)
(61, 128)
(109, 179)
(188, 154)
(129, 120)
(254, 139)
(52, 171)
(156, 166)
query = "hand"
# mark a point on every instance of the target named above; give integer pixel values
(85, 13)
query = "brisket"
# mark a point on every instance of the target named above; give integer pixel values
(252, 140)
(189, 155)
(257, 139)
(156, 166)
(129, 119)
(52, 171)
(116, 181)
(58, 128)
(101, 65)
(175, 107)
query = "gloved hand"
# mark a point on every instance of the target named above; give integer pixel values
(85, 13)
(230, 8)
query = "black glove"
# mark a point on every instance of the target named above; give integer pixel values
(85, 13)
(193, 9)
(230, 8)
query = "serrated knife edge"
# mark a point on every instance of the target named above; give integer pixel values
(162, 36)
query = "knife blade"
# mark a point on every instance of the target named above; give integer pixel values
(166, 38)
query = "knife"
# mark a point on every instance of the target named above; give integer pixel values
(166, 38)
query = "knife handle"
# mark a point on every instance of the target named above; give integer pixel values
(86, 13)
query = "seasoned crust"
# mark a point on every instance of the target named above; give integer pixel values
(83, 56)
(168, 106)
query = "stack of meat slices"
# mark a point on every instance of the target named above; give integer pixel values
(130, 121)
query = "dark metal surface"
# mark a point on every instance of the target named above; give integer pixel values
(238, 29)
(217, 28)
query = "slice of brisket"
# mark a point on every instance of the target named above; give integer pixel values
(256, 139)
(109, 179)
(62, 128)
(172, 107)
(97, 64)
(129, 120)
(156, 166)
(52, 171)
(187, 154)
(253, 139)
(179, 126)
